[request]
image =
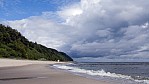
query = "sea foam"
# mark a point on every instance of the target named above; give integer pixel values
(98, 73)
(91, 72)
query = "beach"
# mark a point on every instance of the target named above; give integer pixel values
(38, 72)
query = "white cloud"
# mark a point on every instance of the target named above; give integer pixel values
(71, 12)
(107, 29)
(42, 30)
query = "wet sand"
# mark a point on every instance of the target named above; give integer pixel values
(40, 73)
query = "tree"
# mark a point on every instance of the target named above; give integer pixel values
(14, 45)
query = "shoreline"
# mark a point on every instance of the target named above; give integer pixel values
(5, 62)
(38, 72)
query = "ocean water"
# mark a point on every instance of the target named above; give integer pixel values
(113, 72)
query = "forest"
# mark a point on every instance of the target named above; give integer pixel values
(14, 45)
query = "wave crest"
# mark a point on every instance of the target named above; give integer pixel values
(98, 73)
(92, 72)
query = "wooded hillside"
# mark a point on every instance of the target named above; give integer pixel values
(14, 45)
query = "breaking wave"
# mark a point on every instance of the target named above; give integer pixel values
(99, 73)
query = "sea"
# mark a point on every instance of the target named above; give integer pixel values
(112, 72)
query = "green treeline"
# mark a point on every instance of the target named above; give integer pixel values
(14, 45)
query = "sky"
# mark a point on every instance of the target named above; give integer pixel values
(87, 30)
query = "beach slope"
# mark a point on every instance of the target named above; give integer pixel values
(37, 72)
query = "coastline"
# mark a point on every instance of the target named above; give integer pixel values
(38, 72)
(4, 62)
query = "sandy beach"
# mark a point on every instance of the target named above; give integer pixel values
(13, 62)
(37, 72)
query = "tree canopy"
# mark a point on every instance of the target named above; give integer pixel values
(14, 45)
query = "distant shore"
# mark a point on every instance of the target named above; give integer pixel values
(37, 72)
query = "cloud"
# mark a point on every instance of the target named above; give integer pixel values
(104, 29)
(104, 59)
(41, 30)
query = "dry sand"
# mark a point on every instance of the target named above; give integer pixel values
(13, 62)
(37, 72)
